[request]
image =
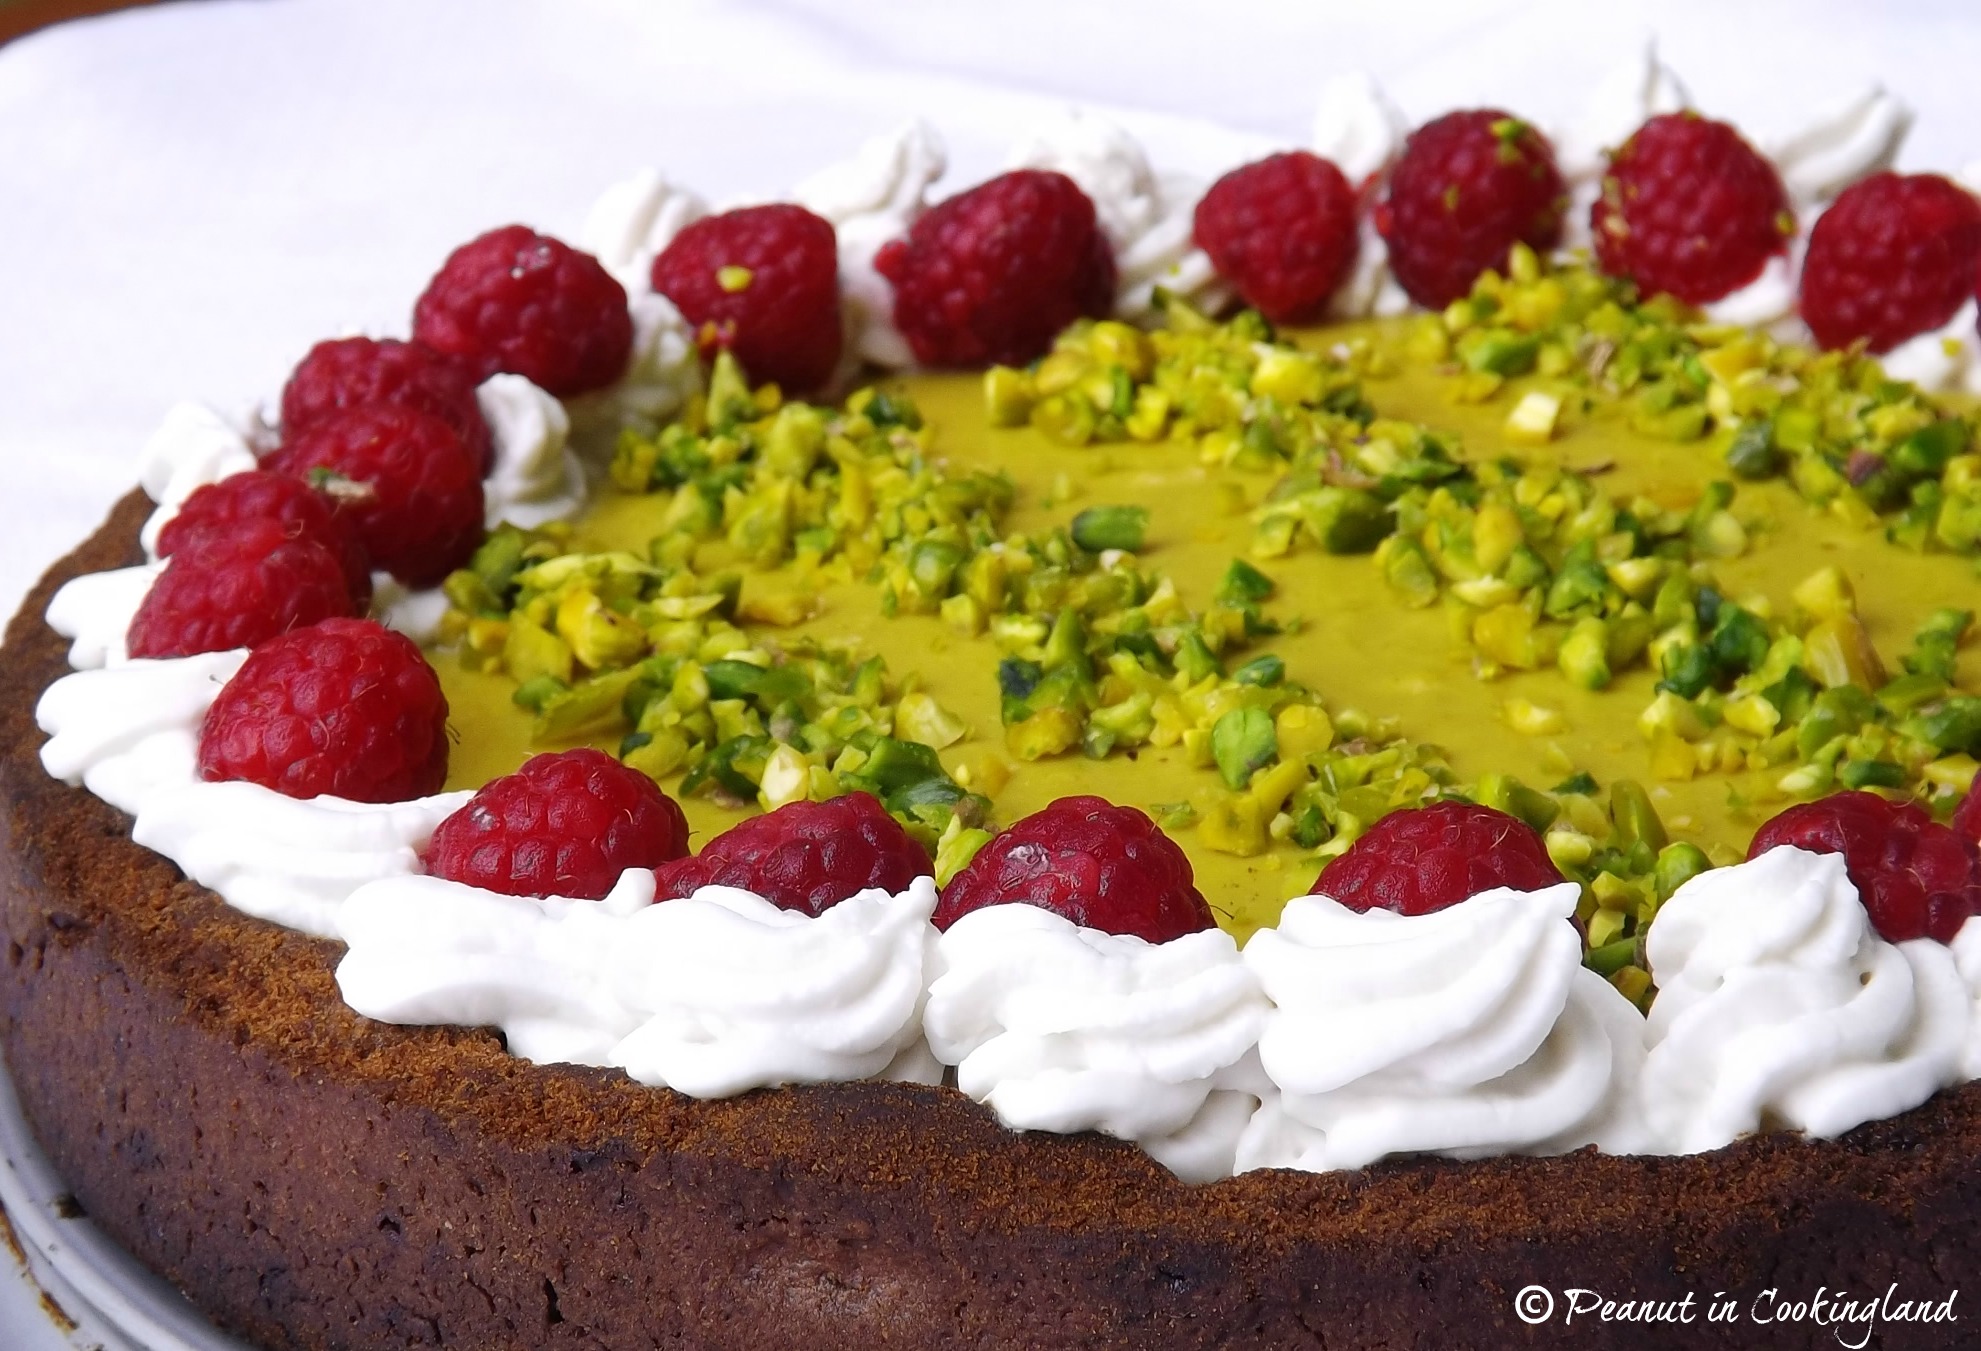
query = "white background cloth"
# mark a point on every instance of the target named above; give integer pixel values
(191, 195)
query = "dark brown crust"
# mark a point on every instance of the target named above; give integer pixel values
(313, 1179)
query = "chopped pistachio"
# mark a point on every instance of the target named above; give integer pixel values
(1532, 421)
(1242, 741)
(1099, 528)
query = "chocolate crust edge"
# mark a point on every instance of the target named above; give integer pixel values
(313, 1179)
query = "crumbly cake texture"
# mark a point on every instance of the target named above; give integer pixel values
(317, 1180)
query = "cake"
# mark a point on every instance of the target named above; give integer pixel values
(314, 1177)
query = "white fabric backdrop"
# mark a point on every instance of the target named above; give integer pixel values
(192, 194)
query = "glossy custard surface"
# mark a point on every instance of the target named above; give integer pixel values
(1356, 644)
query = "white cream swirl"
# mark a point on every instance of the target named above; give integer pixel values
(633, 221)
(130, 734)
(417, 613)
(1149, 220)
(193, 446)
(292, 861)
(1945, 360)
(536, 477)
(1834, 149)
(872, 198)
(94, 611)
(1967, 960)
(1779, 1006)
(713, 994)
(1633, 92)
(1061, 1028)
(664, 371)
(1770, 300)
(1471, 1031)
(1357, 126)
(1361, 132)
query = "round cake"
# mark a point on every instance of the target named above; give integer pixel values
(932, 591)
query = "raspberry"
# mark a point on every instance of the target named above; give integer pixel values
(259, 495)
(1428, 858)
(762, 281)
(515, 300)
(1690, 209)
(1919, 879)
(1282, 231)
(1466, 189)
(805, 856)
(1892, 258)
(1101, 866)
(239, 588)
(565, 824)
(404, 479)
(345, 707)
(993, 274)
(1966, 821)
(346, 372)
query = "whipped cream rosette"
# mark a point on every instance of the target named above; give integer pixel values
(1148, 218)
(1470, 1031)
(1779, 1006)
(130, 734)
(1058, 1027)
(712, 994)
(871, 198)
(1361, 131)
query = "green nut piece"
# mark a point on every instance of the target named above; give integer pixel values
(1505, 793)
(955, 850)
(1008, 396)
(1678, 863)
(1242, 742)
(1266, 671)
(1243, 583)
(1752, 454)
(1100, 528)
(1584, 655)
(530, 651)
(1634, 818)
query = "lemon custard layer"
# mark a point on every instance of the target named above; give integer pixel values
(1638, 579)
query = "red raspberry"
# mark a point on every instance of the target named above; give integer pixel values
(239, 499)
(1892, 258)
(404, 479)
(1690, 209)
(1966, 821)
(1282, 231)
(805, 856)
(1917, 878)
(346, 372)
(1102, 866)
(565, 824)
(762, 281)
(1466, 189)
(238, 589)
(346, 708)
(993, 274)
(1427, 858)
(515, 300)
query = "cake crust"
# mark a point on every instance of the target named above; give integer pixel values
(314, 1179)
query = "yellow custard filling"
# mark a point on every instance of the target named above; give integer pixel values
(1354, 643)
